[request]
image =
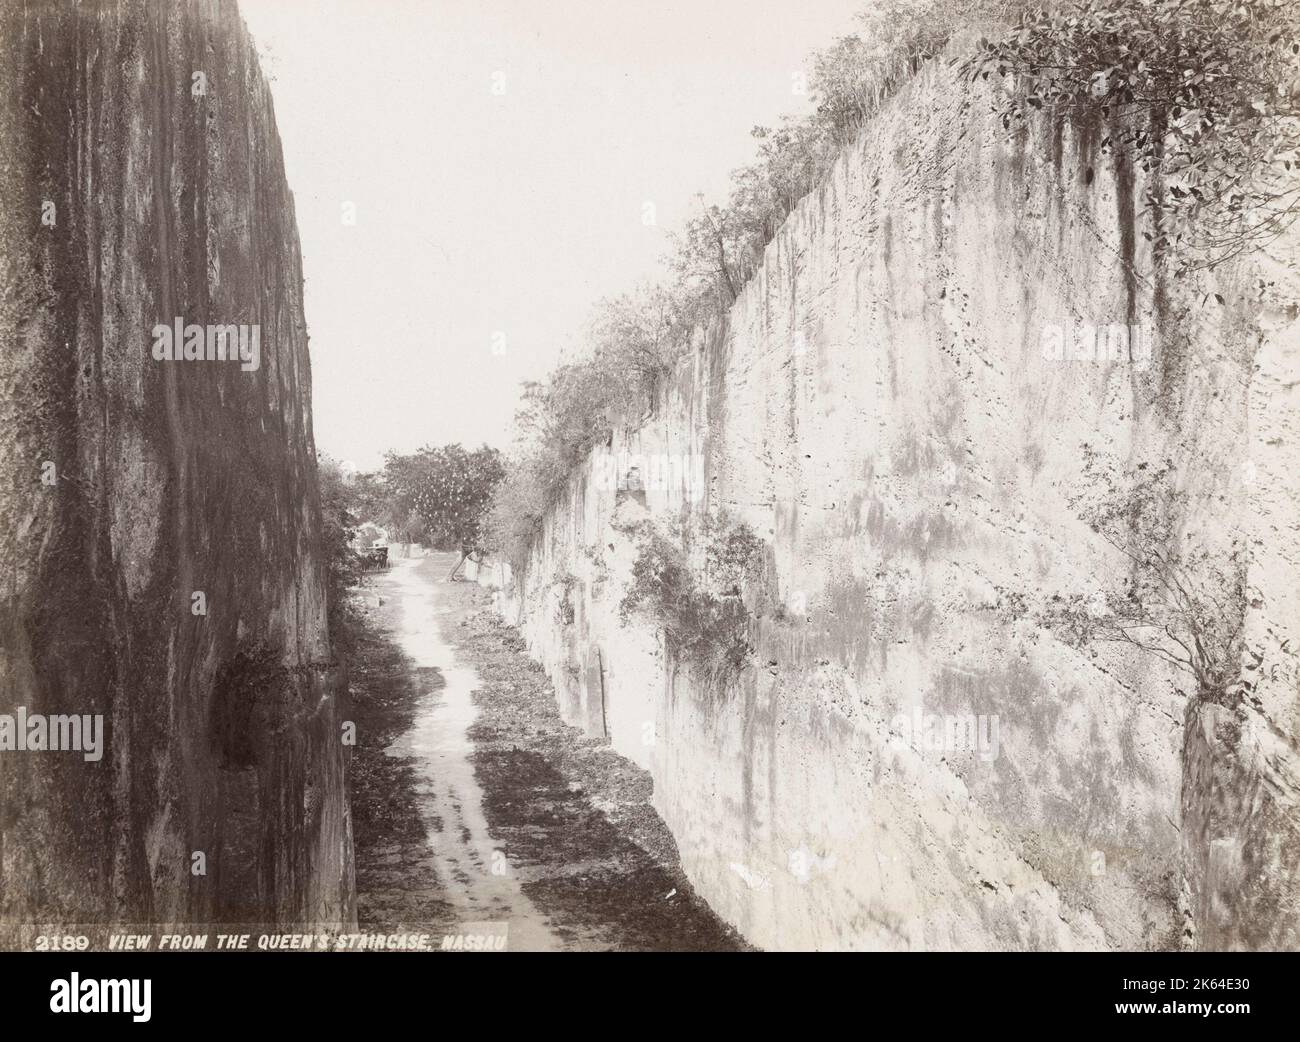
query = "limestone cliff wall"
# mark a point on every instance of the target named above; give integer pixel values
(879, 407)
(141, 180)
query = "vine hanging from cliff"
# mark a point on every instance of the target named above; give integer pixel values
(1205, 94)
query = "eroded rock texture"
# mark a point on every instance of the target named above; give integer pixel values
(879, 407)
(141, 180)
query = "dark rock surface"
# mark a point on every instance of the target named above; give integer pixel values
(223, 730)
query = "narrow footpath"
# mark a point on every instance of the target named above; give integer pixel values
(476, 810)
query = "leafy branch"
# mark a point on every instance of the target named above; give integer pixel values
(1184, 607)
(1205, 93)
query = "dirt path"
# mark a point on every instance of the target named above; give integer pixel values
(476, 808)
(469, 864)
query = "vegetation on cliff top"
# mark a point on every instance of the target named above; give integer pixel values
(634, 339)
(1200, 93)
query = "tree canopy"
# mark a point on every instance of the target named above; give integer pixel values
(447, 488)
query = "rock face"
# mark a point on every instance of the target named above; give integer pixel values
(142, 182)
(884, 405)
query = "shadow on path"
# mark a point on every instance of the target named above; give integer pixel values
(473, 802)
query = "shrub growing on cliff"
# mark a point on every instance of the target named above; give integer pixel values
(514, 517)
(1186, 608)
(341, 513)
(565, 611)
(703, 618)
(709, 631)
(633, 341)
(1203, 92)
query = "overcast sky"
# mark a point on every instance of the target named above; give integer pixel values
(499, 156)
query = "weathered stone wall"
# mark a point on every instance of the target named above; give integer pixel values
(879, 408)
(168, 200)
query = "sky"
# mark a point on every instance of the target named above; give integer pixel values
(472, 176)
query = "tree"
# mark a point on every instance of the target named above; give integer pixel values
(448, 489)
(370, 498)
(711, 256)
(1185, 607)
(339, 520)
(639, 335)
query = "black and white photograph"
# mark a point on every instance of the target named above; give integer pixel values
(494, 476)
